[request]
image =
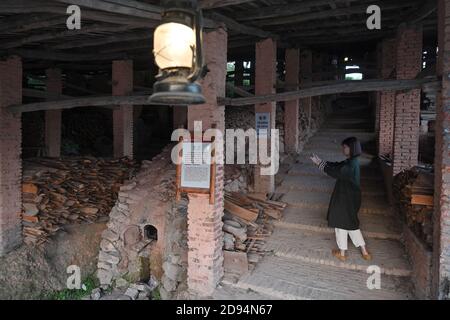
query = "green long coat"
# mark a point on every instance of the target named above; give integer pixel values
(346, 198)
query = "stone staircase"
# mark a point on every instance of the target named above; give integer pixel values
(300, 264)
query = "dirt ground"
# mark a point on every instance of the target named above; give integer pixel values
(30, 272)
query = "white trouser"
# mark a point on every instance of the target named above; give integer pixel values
(342, 236)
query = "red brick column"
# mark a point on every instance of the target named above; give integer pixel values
(386, 101)
(53, 117)
(122, 84)
(205, 236)
(265, 81)
(305, 78)
(10, 151)
(291, 108)
(407, 104)
(441, 218)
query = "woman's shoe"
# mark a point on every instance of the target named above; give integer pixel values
(367, 256)
(338, 255)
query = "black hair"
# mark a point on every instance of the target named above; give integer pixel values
(354, 146)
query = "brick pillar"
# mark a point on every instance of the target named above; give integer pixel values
(53, 117)
(291, 108)
(441, 217)
(179, 117)
(386, 100)
(205, 236)
(122, 84)
(407, 104)
(10, 151)
(305, 78)
(265, 81)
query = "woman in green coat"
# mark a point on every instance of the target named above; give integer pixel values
(346, 198)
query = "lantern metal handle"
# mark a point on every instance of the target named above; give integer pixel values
(198, 63)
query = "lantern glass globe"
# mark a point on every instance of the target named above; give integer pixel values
(174, 46)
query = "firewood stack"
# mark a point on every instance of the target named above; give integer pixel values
(414, 191)
(59, 192)
(247, 224)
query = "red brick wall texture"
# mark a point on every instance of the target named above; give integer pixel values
(441, 219)
(407, 104)
(10, 151)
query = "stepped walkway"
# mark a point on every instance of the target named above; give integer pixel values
(300, 264)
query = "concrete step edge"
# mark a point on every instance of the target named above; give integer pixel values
(398, 272)
(363, 210)
(327, 230)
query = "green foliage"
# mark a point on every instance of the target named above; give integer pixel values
(89, 283)
(156, 295)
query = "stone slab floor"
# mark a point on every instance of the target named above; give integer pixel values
(299, 264)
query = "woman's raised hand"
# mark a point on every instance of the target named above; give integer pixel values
(314, 158)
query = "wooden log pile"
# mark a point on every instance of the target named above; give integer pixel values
(247, 224)
(413, 191)
(60, 192)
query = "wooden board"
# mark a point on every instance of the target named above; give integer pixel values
(424, 200)
(243, 213)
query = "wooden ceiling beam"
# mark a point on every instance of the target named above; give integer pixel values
(239, 27)
(324, 14)
(135, 36)
(63, 34)
(211, 4)
(332, 88)
(59, 56)
(82, 102)
(135, 9)
(26, 22)
(281, 10)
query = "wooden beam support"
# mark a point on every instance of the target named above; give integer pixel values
(134, 9)
(324, 14)
(238, 27)
(135, 36)
(340, 87)
(21, 23)
(82, 102)
(63, 34)
(59, 56)
(239, 91)
(211, 4)
(281, 10)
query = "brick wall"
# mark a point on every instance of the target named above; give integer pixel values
(421, 260)
(205, 236)
(407, 103)
(386, 99)
(305, 103)
(291, 108)
(53, 117)
(10, 151)
(441, 218)
(122, 84)
(265, 81)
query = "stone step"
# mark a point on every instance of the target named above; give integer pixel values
(314, 247)
(320, 200)
(310, 169)
(324, 183)
(316, 220)
(295, 280)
